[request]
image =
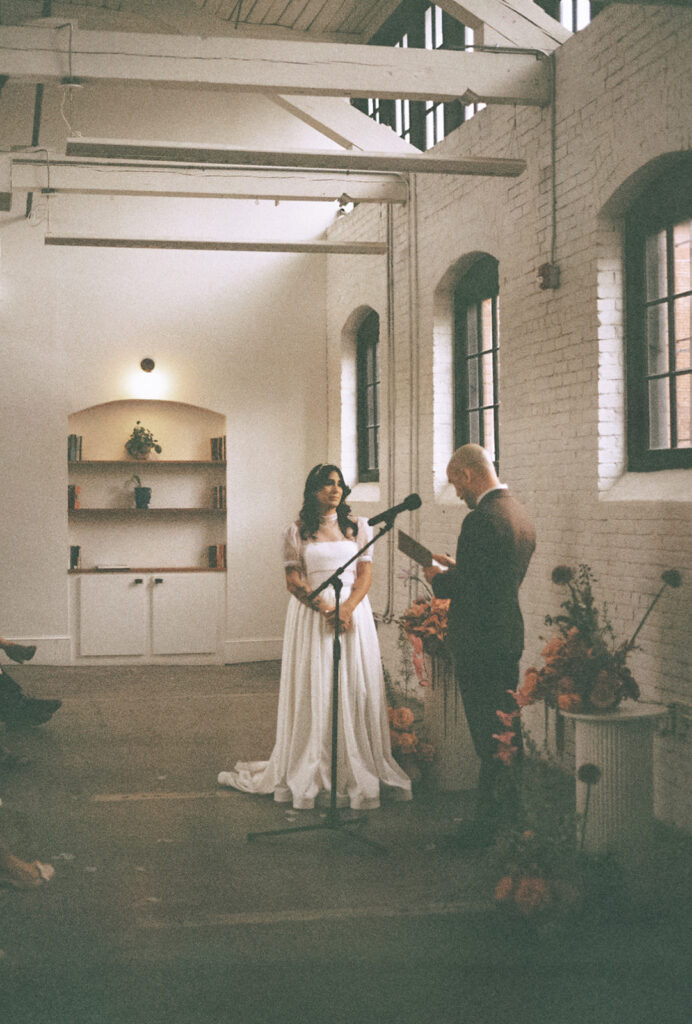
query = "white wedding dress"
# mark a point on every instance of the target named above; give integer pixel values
(299, 768)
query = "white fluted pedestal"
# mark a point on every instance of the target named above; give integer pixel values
(455, 764)
(620, 813)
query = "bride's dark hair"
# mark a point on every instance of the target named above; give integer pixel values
(309, 518)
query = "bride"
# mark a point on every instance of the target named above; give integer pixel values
(299, 768)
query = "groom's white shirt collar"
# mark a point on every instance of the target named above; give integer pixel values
(500, 487)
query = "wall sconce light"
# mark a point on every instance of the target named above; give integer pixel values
(147, 365)
(345, 205)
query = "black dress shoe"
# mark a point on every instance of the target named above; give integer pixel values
(19, 653)
(32, 712)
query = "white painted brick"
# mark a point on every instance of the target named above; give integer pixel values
(624, 95)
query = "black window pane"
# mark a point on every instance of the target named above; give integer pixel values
(476, 333)
(474, 428)
(657, 338)
(367, 354)
(659, 413)
(656, 266)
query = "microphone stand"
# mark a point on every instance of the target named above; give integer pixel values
(333, 819)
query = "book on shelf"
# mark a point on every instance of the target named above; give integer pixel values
(75, 556)
(73, 496)
(216, 555)
(219, 496)
(218, 449)
(74, 447)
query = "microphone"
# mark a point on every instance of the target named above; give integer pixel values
(407, 505)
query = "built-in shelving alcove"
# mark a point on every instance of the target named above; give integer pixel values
(147, 583)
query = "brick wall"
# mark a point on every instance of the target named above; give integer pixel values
(624, 93)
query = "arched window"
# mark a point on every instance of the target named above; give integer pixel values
(658, 262)
(476, 344)
(368, 398)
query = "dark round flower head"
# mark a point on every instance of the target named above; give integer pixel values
(590, 774)
(672, 578)
(562, 574)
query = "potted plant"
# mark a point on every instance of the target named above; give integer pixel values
(140, 442)
(142, 494)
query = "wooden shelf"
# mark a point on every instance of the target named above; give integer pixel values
(145, 464)
(146, 569)
(141, 513)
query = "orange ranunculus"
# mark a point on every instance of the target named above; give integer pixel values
(402, 718)
(408, 741)
(531, 894)
(553, 649)
(504, 888)
(506, 738)
(506, 754)
(604, 694)
(569, 702)
(530, 683)
(520, 697)
(507, 718)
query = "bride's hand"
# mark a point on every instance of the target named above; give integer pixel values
(345, 618)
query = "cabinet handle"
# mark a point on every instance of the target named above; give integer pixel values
(158, 579)
(139, 581)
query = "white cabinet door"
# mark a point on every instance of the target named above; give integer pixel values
(185, 613)
(113, 614)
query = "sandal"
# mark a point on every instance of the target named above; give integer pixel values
(44, 873)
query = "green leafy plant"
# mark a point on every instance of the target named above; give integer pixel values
(141, 441)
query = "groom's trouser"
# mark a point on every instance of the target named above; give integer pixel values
(484, 691)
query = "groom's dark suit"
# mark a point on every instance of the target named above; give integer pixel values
(486, 629)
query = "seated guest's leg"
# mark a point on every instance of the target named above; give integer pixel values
(17, 652)
(18, 710)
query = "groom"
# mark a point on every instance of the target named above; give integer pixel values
(486, 629)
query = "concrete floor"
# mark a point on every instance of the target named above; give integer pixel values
(162, 911)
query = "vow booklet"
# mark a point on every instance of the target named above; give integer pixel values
(414, 550)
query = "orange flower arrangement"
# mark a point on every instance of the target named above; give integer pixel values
(531, 885)
(584, 670)
(424, 625)
(407, 747)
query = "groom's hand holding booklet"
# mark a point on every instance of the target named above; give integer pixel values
(414, 550)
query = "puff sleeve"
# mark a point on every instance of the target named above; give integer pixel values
(292, 548)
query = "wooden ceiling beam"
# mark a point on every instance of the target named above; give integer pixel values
(96, 177)
(340, 121)
(272, 66)
(319, 247)
(344, 160)
(520, 23)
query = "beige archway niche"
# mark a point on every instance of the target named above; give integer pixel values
(141, 571)
(443, 371)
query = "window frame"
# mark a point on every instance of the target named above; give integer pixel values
(368, 378)
(479, 283)
(660, 206)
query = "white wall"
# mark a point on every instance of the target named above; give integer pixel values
(239, 333)
(624, 94)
